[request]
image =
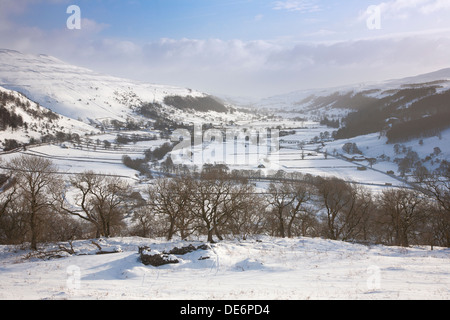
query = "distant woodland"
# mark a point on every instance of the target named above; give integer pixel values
(407, 114)
(215, 204)
(9, 118)
(202, 104)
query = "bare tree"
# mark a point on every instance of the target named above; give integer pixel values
(36, 181)
(217, 201)
(345, 207)
(214, 204)
(405, 210)
(244, 210)
(100, 200)
(12, 225)
(288, 200)
(8, 193)
(82, 204)
(144, 223)
(251, 216)
(367, 207)
(170, 199)
(437, 186)
(280, 199)
(208, 199)
(298, 210)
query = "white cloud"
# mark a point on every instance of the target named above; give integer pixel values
(261, 68)
(247, 68)
(435, 6)
(8, 7)
(91, 26)
(255, 68)
(258, 17)
(297, 5)
(405, 7)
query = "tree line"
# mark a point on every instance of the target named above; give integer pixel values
(201, 104)
(38, 205)
(9, 119)
(426, 115)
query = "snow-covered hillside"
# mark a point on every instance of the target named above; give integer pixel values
(36, 121)
(385, 119)
(79, 93)
(259, 268)
(431, 150)
(256, 269)
(305, 100)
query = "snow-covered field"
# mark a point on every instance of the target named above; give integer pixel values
(285, 154)
(256, 269)
(261, 268)
(77, 159)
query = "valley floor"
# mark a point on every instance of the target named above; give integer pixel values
(257, 269)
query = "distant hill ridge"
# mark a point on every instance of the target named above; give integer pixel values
(401, 109)
(80, 93)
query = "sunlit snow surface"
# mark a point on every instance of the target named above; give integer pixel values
(263, 268)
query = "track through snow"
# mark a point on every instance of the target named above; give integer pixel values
(263, 269)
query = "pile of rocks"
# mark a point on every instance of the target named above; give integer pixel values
(156, 258)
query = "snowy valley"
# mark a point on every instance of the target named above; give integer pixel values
(371, 142)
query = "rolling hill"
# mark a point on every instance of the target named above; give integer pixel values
(401, 109)
(82, 94)
(41, 96)
(23, 121)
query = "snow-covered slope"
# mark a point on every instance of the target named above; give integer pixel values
(305, 100)
(443, 74)
(256, 269)
(77, 92)
(35, 121)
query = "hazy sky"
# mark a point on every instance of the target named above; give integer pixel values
(237, 47)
